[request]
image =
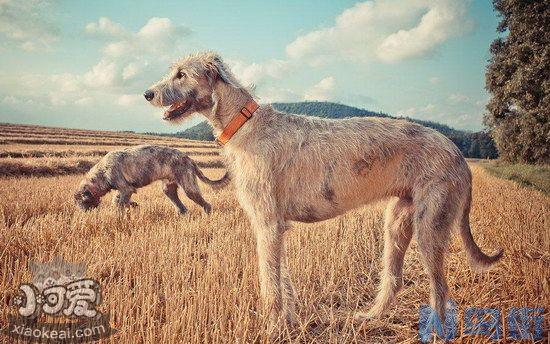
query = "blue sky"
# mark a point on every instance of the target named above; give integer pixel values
(86, 64)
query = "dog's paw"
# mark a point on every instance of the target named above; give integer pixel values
(291, 319)
(361, 317)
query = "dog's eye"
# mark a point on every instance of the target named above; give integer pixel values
(181, 75)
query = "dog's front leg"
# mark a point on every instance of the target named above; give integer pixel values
(122, 198)
(289, 294)
(269, 242)
(116, 198)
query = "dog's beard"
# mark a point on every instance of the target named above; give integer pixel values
(181, 119)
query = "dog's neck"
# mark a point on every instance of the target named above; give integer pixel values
(229, 102)
(98, 185)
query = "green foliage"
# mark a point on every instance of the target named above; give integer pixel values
(325, 110)
(201, 131)
(534, 176)
(472, 145)
(518, 79)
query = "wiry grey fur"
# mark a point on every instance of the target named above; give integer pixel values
(288, 167)
(129, 169)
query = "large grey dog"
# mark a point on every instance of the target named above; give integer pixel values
(288, 167)
(131, 168)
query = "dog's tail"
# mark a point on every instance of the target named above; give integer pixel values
(215, 184)
(478, 260)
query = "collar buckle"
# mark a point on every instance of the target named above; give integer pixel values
(237, 122)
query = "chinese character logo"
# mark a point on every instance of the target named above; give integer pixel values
(524, 323)
(58, 288)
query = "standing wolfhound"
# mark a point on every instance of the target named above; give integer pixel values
(295, 168)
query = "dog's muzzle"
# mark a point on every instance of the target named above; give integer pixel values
(149, 95)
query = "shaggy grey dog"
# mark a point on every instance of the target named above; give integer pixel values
(288, 167)
(129, 169)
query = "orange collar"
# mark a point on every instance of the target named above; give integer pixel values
(237, 122)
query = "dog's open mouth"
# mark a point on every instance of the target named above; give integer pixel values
(176, 110)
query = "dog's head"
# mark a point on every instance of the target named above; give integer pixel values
(189, 86)
(85, 197)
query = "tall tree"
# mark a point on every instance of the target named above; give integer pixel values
(518, 77)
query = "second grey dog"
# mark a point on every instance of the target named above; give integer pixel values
(128, 169)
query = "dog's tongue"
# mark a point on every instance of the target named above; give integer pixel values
(173, 107)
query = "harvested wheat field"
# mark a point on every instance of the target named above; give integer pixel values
(168, 278)
(41, 151)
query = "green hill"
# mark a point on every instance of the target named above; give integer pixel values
(472, 145)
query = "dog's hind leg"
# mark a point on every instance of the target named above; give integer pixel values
(170, 189)
(398, 230)
(188, 183)
(434, 216)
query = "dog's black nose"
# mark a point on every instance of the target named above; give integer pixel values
(149, 95)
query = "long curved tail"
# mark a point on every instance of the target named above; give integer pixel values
(478, 260)
(215, 184)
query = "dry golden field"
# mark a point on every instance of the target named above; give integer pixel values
(168, 278)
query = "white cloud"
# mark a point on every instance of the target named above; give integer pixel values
(105, 27)
(84, 101)
(131, 70)
(103, 74)
(128, 56)
(157, 35)
(29, 46)
(443, 20)
(33, 86)
(456, 98)
(262, 77)
(116, 78)
(25, 24)
(323, 91)
(434, 80)
(129, 99)
(272, 94)
(482, 102)
(428, 108)
(57, 99)
(10, 100)
(387, 30)
(257, 73)
(65, 82)
(407, 112)
(417, 111)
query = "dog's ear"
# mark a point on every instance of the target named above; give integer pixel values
(218, 69)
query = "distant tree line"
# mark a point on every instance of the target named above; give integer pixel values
(472, 145)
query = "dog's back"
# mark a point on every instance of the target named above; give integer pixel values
(142, 165)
